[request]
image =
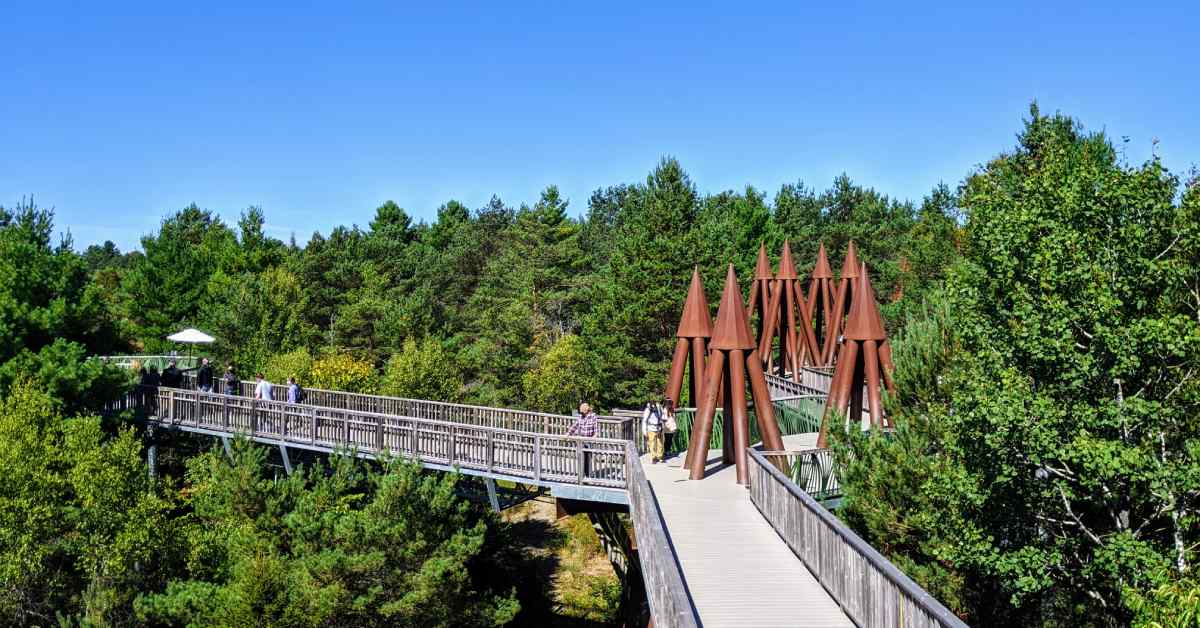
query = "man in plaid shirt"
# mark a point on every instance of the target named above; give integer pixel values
(586, 424)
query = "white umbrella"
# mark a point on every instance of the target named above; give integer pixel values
(191, 336)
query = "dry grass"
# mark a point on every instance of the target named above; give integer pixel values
(582, 585)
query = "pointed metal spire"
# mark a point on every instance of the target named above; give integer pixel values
(822, 269)
(696, 321)
(731, 330)
(787, 268)
(850, 267)
(762, 269)
(865, 321)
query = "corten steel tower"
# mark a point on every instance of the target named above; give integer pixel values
(787, 318)
(731, 362)
(695, 328)
(819, 304)
(760, 289)
(843, 301)
(865, 359)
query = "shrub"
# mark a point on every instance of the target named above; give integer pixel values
(341, 371)
(423, 370)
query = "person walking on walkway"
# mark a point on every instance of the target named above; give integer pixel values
(670, 426)
(204, 376)
(151, 381)
(294, 393)
(652, 427)
(232, 383)
(172, 377)
(262, 390)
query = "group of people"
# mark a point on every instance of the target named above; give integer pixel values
(658, 426)
(229, 384)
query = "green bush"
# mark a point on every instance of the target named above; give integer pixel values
(422, 370)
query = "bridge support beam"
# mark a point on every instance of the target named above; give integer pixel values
(225, 444)
(493, 499)
(287, 462)
(151, 455)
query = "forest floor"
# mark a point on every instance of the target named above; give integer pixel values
(583, 588)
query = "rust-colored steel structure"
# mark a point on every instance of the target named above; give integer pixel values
(760, 289)
(695, 328)
(865, 361)
(843, 302)
(732, 364)
(819, 304)
(788, 319)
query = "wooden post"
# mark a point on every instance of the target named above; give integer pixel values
(225, 413)
(346, 428)
(453, 437)
(379, 436)
(171, 406)
(253, 417)
(491, 450)
(579, 459)
(312, 436)
(537, 457)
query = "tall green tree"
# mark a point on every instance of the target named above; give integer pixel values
(338, 546)
(637, 295)
(168, 286)
(1059, 470)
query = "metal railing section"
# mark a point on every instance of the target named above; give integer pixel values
(869, 588)
(810, 469)
(158, 361)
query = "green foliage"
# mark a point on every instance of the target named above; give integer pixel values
(62, 369)
(167, 287)
(341, 371)
(564, 376)
(1173, 604)
(255, 315)
(336, 546)
(297, 363)
(81, 528)
(422, 370)
(1046, 458)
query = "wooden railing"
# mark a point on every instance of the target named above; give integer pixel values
(505, 418)
(538, 457)
(868, 587)
(670, 604)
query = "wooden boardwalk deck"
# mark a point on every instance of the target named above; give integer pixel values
(736, 567)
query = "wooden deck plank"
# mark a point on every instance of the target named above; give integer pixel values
(738, 570)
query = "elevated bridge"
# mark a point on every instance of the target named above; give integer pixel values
(712, 553)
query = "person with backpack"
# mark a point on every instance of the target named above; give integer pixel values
(295, 394)
(652, 426)
(232, 384)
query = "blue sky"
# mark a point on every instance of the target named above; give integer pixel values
(118, 115)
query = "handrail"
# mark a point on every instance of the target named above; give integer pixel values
(608, 427)
(539, 457)
(671, 605)
(869, 588)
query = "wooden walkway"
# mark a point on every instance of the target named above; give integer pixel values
(737, 569)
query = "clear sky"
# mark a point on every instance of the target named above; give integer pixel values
(117, 115)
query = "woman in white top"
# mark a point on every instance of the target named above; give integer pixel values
(262, 390)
